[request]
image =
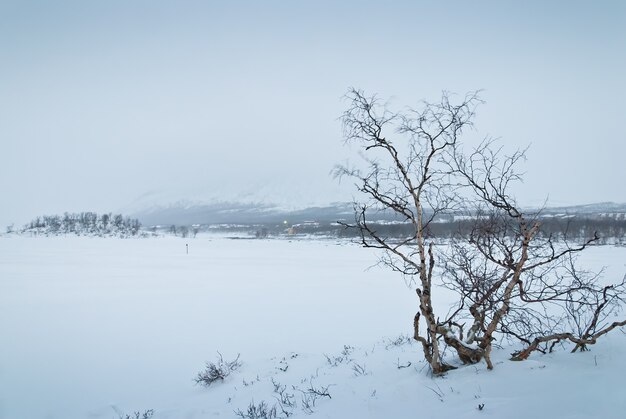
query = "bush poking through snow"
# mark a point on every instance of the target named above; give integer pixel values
(286, 400)
(146, 414)
(400, 366)
(344, 357)
(311, 395)
(359, 369)
(399, 341)
(260, 411)
(217, 371)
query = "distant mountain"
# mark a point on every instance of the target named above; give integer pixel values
(596, 209)
(258, 202)
(185, 212)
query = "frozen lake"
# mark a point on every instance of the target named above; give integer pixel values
(87, 323)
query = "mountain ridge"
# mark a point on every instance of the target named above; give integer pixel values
(188, 212)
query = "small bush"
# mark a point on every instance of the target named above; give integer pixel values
(260, 411)
(146, 414)
(217, 371)
(399, 341)
(359, 369)
(344, 357)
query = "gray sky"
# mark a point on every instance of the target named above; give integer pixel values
(103, 102)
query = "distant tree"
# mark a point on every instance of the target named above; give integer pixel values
(106, 218)
(118, 221)
(135, 226)
(184, 231)
(505, 273)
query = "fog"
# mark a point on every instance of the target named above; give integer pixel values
(102, 103)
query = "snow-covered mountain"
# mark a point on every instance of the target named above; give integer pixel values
(269, 204)
(595, 209)
(257, 203)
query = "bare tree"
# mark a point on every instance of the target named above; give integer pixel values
(407, 178)
(516, 281)
(512, 280)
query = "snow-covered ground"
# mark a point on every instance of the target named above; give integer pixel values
(101, 328)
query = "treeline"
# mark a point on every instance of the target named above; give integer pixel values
(84, 224)
(610, 230)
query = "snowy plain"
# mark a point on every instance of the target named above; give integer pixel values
(102, 328)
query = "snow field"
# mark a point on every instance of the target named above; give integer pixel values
(97, 328)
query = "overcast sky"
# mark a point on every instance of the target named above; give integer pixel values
(102, 102)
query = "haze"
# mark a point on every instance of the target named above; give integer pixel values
(103, 102)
